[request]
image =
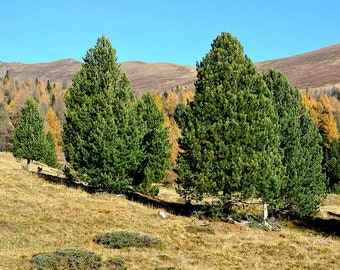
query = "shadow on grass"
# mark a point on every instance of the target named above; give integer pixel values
(171, 207)
(64, 181)
(329, 227)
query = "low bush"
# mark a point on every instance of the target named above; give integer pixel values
(115, 264)
(74, 260)
(126, 239)
(67, 259)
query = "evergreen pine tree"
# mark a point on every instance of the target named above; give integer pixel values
(48, 87)
(332, 165)
(29, 137)
(6, 78)
(50, 158)
(155, 145)
(305, 197)
(229, 132)
(301, 148)
(102, 135)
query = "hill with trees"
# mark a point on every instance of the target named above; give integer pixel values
(317, 70)
(170, 85)
(239, 140)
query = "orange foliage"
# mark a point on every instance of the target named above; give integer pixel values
(158, 101)
(52, 124)
(329, 127)
(171, 102)
(321, 112)
(17, 102)
(17, 92)
(187, 96)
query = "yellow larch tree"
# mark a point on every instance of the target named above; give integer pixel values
(52, 124)
(321, 112)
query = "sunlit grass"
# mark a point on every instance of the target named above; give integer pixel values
(40, 217)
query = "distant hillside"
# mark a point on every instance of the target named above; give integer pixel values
(153, 77)
(158, 77)
(61, 71)
(315, 70)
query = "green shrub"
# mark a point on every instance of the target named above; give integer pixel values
(216, 211)
(115, 264)
(126, 239)
(335, 189)
(45, 261)
(67, 259)
(239, 216)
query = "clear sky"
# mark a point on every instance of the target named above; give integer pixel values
(173, 31)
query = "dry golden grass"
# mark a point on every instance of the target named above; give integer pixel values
(37, 216)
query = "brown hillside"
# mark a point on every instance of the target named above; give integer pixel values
(315, 70)
(152, 77)
(158, 77)
(61, 71)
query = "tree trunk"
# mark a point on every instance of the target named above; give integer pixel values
(28, 164)
(265, 212)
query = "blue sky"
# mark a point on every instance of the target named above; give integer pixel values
(177, 31)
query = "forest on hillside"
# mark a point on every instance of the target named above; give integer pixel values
(241, 135)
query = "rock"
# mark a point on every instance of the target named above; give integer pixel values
(162, 214)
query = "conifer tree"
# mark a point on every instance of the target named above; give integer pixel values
(102, 136)
(50, 158)
(6, 78)
(29, 136)
(305, 197)
(332, 165)
(301, 147)
(230, 136)
(155, 146)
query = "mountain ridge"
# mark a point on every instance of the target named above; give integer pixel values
(311, 70)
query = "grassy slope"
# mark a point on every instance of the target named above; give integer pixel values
(37, 216)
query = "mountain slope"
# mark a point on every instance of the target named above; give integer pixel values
(158, 77)
(61, 71)
(316, 69)
(153, 77)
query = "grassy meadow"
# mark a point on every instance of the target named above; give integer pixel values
(37, 216)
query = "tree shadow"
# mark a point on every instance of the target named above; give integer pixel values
(64, 181)
(171, 207)
(329, 227)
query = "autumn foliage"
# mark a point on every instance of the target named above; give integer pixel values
(14, 95)
(321, 111)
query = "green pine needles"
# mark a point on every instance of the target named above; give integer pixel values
(230, 131)
(245, 135)
(304, 187)
(106, 138)
(30, 141)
